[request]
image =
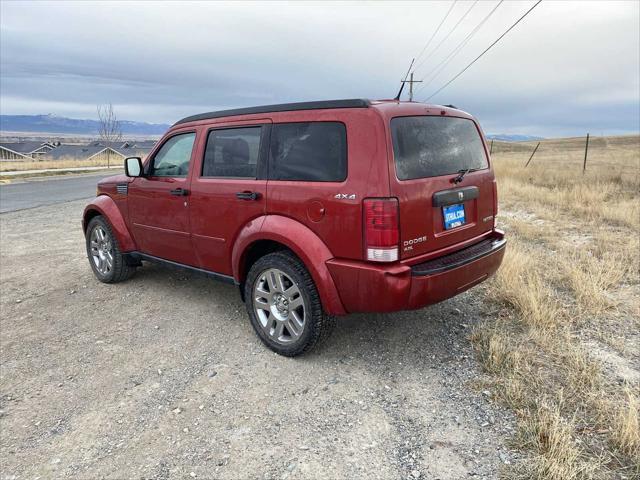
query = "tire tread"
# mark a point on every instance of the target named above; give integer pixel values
(322, 325)
(121, 270)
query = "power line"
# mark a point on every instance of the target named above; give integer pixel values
(437, 29)
(438, 68)
(447, 35)
(485, 51)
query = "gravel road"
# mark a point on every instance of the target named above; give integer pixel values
(163, 377)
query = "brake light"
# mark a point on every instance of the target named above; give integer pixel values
(381, 230)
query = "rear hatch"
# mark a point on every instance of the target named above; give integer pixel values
(443, 183)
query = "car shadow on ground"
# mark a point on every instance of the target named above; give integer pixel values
(431, 331)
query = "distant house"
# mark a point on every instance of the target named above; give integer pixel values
(96, 150)
(84, 152)
(142, 144)
(139, 149)
(24, 150)
(129, 148)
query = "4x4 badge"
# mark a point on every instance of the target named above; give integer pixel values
(345, 196)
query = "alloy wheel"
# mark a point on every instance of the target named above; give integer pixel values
(279, 306)
(101, 250)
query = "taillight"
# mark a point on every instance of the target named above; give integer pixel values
(381, 231)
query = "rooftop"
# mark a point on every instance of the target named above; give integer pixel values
(74, 151)
(22, 147)
(390, 107)
(282, 107)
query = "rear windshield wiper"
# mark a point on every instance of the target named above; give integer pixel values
(462, 173)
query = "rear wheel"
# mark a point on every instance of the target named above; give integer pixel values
(284, 305)
(106, 259)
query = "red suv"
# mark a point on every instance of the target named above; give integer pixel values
(314, 210)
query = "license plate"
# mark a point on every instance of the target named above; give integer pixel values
(453, 216)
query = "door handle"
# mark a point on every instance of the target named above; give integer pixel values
(180, 192)
(248, 195)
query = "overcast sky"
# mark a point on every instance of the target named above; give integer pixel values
(567, 69)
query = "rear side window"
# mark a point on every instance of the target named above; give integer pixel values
(429, 146)
(311, 151)
(232, 152)
(172, 160)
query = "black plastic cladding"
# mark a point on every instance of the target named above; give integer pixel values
(283, 107)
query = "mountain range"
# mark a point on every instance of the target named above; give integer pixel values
(62, 125)
(503, 137)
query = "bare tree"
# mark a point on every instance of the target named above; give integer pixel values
(109, 127)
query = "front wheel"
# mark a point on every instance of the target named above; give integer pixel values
(284, 305)
(106, 260)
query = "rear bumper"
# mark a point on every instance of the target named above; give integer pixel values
(368, 287)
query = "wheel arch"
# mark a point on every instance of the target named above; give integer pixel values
(275, 233)
(105, 206)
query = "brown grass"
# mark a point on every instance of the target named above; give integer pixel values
(626, 432)
(571, 276)
(58, 164)
(549, 435)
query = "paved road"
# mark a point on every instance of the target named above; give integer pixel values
(50, 191)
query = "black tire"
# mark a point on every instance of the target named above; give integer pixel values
(120, 270)
(317, 325)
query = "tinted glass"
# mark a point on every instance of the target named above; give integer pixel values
(313, 151)
(431, 146)
(172, 160)
(232, 152)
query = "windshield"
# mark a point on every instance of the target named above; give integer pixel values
(429, 146)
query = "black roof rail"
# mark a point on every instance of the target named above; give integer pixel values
(282, 107)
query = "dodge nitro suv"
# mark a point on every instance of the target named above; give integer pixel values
(315, 210)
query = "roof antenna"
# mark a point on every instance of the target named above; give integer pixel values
(404, 81)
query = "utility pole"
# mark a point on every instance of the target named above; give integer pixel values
(411, 81)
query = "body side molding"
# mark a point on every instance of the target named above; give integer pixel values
(150, 258)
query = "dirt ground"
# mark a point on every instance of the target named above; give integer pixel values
(163, 377)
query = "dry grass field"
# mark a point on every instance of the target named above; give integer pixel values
(18, 166)
(563, 348)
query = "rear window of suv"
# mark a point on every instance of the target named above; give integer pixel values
(309, 151)
(429, 146)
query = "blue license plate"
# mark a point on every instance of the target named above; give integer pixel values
(453, 216)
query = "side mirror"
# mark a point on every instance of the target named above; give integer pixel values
(133, 167)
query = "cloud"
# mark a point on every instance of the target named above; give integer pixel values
(566, 68)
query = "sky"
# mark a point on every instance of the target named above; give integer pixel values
(568, 68)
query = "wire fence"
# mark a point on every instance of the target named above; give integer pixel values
(578, 154)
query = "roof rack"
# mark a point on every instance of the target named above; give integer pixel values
(282, 107)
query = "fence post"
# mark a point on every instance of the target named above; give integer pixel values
(491, 148)
(532, 154)
(586, 149)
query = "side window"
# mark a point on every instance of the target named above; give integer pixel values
(172, 160)
(312, 151)
(232, 152)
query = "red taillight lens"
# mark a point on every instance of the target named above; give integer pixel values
(381, 231)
